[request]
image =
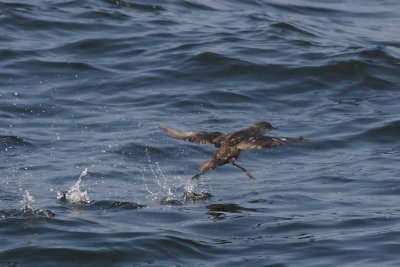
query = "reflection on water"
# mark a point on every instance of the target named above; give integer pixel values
(108, 205)
(219, 211)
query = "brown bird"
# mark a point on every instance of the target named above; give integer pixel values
(229, 145)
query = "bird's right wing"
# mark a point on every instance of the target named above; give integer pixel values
(266, 142)
(195, 137)
(256, 129)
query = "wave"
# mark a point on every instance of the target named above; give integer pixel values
(109, 205)
(291, 27)
(136, 5)
(384, 134)
(10, 142)
(53, 67)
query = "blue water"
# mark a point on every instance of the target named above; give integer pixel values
(86, 84)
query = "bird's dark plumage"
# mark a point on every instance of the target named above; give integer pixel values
(229, 145)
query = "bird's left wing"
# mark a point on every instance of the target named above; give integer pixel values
(195, 137)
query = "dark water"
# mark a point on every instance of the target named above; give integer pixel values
(85, 84)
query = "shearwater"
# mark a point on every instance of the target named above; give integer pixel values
(229, 145)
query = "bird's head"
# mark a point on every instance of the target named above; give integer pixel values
(264, 125)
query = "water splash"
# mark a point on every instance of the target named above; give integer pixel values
(156, 172)
(74, 194)
(28, 210)
(192, 195)
(173, 192)
(27, 201)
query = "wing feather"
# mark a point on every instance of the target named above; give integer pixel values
(257, 129)
(265, 142)
(195, 137)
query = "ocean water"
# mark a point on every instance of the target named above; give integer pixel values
(87, 178)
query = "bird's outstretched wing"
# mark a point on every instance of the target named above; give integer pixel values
(195, 137)
(256, 129)
(266, 142)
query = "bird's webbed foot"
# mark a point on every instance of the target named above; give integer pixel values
(197, 176)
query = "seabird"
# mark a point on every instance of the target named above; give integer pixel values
(229, 145)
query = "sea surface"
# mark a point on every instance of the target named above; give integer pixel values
(87, 177)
